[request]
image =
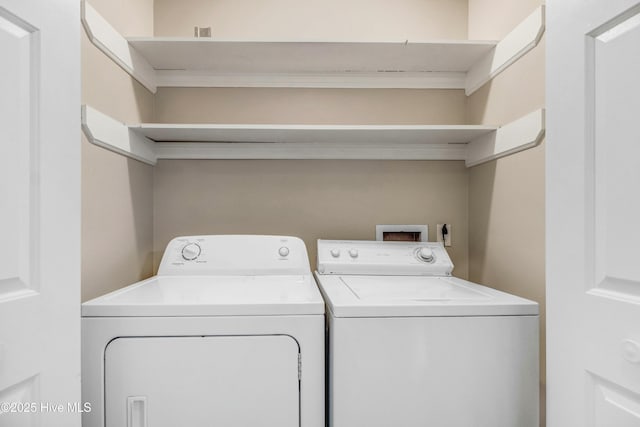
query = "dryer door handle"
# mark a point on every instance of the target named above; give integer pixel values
(137, 411)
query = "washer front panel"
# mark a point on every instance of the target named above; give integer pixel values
(434, 371)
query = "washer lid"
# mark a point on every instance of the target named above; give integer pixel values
(211, 296)
(417, 296)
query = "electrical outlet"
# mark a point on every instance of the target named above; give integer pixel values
(447, 237)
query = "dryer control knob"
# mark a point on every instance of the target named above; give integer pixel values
(283, 251)
(335, 253)
(353, 253)
(426, 254)
(191, 251)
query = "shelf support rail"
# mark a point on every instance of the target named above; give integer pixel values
(116, 136)
(111, 43)
(519, 135)
(514, 46)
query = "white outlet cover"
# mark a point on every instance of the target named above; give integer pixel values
(385, 228)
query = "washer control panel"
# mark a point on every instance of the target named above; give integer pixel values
(238, 255)
(383, 258)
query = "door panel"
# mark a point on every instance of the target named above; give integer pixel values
(614, 406)
(616, 183)
(19, 365)
(232, 381)
(593, 206)
(613, 189)
(39, 212)
(17, 154)
(24, 393)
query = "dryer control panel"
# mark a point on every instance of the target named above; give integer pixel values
(235, 255)
(383, 258)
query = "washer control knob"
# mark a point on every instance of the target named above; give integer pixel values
(191, 251)
(283, 251)
(335, 253)
(426, 254)
(353, 253)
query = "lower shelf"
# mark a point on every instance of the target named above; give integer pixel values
(474, 144)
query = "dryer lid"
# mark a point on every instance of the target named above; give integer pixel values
(211, 296)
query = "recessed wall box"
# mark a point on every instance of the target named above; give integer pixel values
(202, 32)
(402, 233)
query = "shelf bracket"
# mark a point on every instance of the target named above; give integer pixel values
(514, 46)
(111, 43)
(522, 134)
(116, 136)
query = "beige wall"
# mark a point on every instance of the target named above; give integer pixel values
(309, 106)
(311, 199)
(130, 17)
(117, 192)
(314, 19)
(506, 197)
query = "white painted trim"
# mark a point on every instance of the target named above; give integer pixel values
(274, 151)
(516, 44)
(381, 80)
(111, 43)
(526, 132)
(116, 136)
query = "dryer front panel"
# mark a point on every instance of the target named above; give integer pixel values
(229, 381)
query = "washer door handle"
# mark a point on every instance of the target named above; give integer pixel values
(137, 411)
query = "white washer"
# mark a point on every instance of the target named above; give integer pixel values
(230, 333)
(411, 346)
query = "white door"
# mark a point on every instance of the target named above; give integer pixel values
(593, 213)
(39, 213)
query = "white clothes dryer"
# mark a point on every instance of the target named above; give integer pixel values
(230, 333)
(411, 346)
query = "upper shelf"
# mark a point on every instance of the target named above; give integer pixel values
(289, 57)
(197, 62)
